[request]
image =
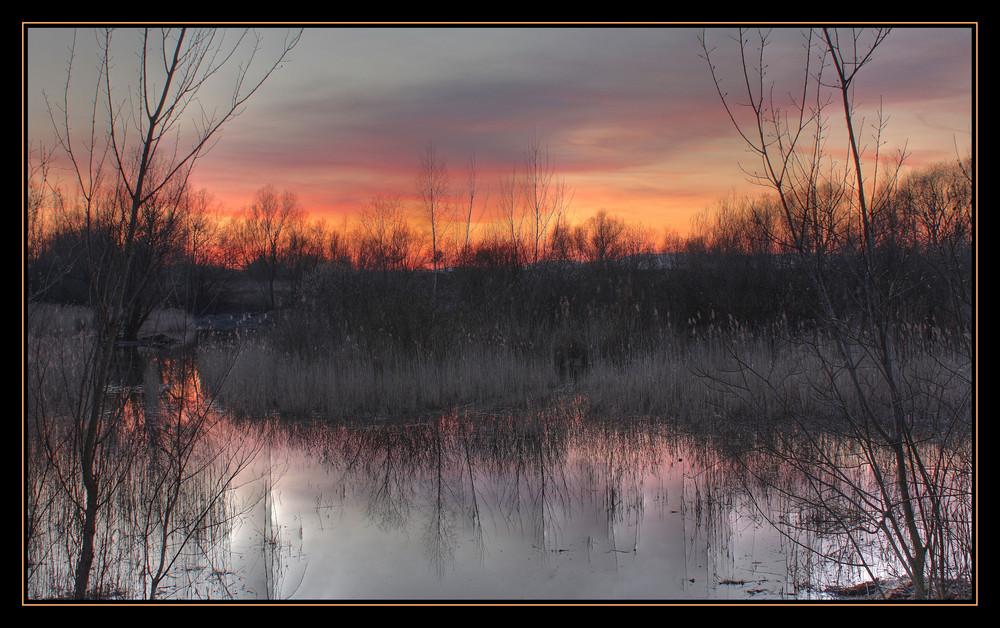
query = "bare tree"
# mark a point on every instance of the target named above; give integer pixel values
(563, 241)
(308, 247)
(147, 132)
(263, 234)
(384, 238)
(434, 189)
(200, 283)
(44, 215)
(159, 238)
(510, 216)
(903, 429)
(337, 246)
(545, 196)
(605, 237)
(936, 205)
(38, 195)
(472, 189)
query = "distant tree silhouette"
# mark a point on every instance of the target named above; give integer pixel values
(264, 237)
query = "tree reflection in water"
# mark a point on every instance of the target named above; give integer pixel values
(554, 504)
(544, 504)
(170, 464)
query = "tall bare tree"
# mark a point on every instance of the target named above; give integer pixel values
(147, 131)
(545, 196)
(434, 189)
(473, 188)
(510, 217)
(895, 483)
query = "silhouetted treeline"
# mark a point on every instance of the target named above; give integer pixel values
(603, 279)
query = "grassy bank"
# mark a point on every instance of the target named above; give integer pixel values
(722, 373)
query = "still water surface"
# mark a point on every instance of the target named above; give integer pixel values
(535, 505)
(510, 507)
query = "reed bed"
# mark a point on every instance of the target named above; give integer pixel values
(729, 374)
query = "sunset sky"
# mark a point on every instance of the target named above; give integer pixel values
(630, 116)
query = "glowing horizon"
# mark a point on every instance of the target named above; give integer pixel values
(629, 116)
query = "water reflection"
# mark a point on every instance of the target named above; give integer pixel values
(168, 460)
(547, 504)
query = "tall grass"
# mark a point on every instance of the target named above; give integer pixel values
(661, 378)
(350, 384)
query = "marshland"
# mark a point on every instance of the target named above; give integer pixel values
(420, 406)
(428, 437)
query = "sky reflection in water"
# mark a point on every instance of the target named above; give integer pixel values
(531, 507)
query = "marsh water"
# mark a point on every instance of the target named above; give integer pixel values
(506, 507)
(538, 504)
